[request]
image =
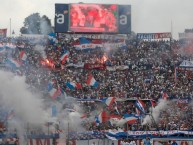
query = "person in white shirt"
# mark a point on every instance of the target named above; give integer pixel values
(122, 142)
(132, 142)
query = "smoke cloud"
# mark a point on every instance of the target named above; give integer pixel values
(162, 105)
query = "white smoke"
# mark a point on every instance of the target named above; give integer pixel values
(41, 50)
(28, 107)
(162, 105)
(44, 27)
(14, 94)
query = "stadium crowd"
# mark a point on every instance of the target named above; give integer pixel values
(144, 70)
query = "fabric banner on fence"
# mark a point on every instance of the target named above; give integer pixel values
(89, 44)
(154, 35)
(94, 66)
(142, 134)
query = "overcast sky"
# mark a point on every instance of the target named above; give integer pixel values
(148, 16)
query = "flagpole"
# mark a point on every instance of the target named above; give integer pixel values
(171, 29)
(127, 131)
(10, 27)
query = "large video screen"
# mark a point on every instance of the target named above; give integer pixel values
(93, 18)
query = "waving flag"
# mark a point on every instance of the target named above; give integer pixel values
(54, 93)
(91, 81)
(109, 101)
(72, 85)
(140, 105)
(23, 56)
(52, 38)
(64, 56)
(50, 85)
(102, 117)
(114, 119)
(13, 63)
(138, 113)
(130, 118)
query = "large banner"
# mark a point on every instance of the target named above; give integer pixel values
(154, 35)
(89, 44)
(61, 18)
(3, 32)
(124, 19)
(93, 36)
(92, 18)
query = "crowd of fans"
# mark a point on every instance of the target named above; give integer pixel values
(149, 70)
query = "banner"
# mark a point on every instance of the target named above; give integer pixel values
(153, 134)
(103, 18)
(3, 32)
(93, 36)
(124, 19)
(94, 66)
(88, 44)
(154, 35)
(61, 18)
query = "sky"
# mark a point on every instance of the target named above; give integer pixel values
(148, 16)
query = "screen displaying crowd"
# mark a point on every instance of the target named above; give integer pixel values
(93, 18)
(150, 71)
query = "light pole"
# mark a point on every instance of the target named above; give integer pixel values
(10, 28)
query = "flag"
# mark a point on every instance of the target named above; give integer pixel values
(182, 101)
(52, 38)
(91, 81)
(23, 56)
(72, 85)
(64, 56)
(13, 63)
(114, 119)
(165, 96)
(50, 85)
(102, 117)
(116, 109)
(138, 112)
(54, 93)
(109, 100)
(130, 118)
(140, 105)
